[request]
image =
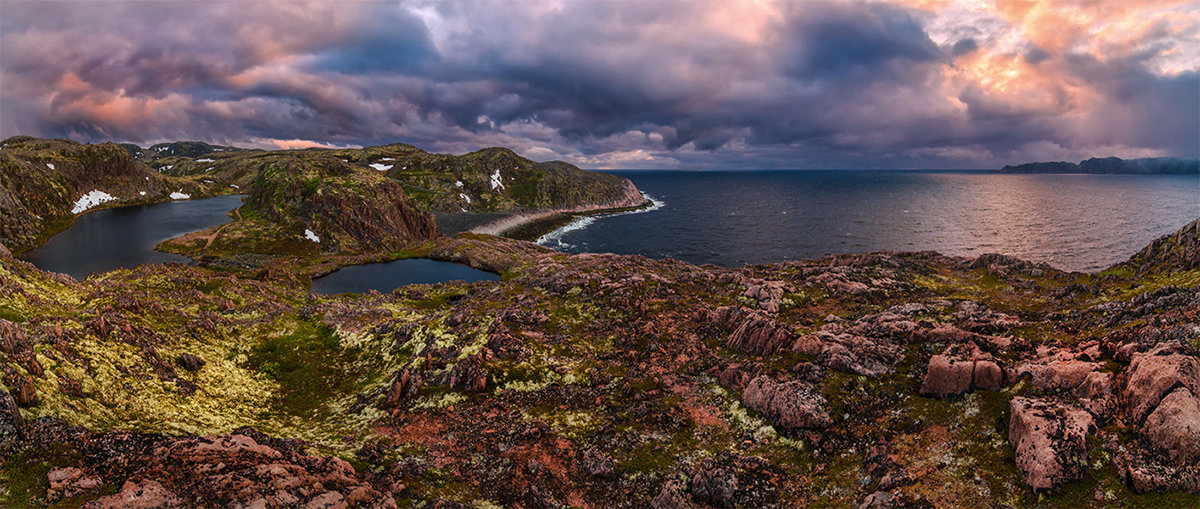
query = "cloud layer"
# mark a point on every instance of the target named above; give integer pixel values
(723, 84)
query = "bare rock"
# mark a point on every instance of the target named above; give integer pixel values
(792, 405)
(879, 500)
(961, 368)
(1175, 426)
(469, 375)
(768, 294)
(70, 481)
(671, 496)
(753, 331)
(1154, 373)
(191, 362)
(597, 463)
(405, 384)
(1049, 439)
(145, 494)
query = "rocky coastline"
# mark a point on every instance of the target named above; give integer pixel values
(590, 380)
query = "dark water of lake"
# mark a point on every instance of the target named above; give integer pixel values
(385, 277)
(1073, 222)
(110, 239)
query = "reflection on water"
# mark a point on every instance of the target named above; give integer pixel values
(1074, 222)
(109, 239)
(385, 277)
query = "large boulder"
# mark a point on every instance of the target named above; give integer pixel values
(962, 368)
(1153, 374)
(1050, 441)
(1175, 426)
(791, 405)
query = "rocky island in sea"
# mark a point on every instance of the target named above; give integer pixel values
(591, 380)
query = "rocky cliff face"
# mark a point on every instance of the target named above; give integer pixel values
(1177, 251)
(885, 379)
(44, 184)
(346, 208)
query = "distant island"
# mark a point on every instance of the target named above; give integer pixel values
(1144, 166)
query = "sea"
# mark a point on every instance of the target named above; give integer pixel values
(1075, 222)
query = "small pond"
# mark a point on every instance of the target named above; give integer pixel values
(385, 277)
(110, 239)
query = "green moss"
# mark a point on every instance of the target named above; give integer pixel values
(308, 364)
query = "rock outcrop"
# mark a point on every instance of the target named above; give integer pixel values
(1050, 441)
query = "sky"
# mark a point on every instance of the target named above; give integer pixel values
(726, 84)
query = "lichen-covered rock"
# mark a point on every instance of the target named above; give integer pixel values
(961, 368)
(597, 463)
(1174, 426)
(1154, 373)
(753, 331)
(1050, 441)
(790, 405)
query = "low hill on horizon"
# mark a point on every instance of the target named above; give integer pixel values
(1112, 165)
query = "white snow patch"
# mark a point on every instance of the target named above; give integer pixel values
(382, 167)
(205, 160)
(91, 199)
(142, 193)
(167, 167)
(465, 197)
(496, 180)
(388, 159)
(51, 166)
(234, 186)
(179, 195)
(458, 183)
(210, 168)
(308, 234)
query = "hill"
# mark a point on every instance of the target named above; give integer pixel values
(1157, 165)
(45, 184)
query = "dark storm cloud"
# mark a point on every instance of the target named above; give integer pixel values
(797, 84)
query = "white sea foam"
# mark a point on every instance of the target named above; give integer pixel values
(91, 199)
(554, 239)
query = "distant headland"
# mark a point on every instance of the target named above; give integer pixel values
(1144, 166)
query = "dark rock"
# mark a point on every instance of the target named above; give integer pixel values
(405, 384)
(469, 375)
(879, 500)
(597, 463)
(191, 362)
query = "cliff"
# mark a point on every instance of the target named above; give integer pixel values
(1157, 165)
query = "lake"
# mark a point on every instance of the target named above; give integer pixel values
(731, 218)
(385, 277)
(110, 239)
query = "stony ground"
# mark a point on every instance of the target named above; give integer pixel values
(884, 380)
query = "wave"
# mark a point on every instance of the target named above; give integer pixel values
(555, 237)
